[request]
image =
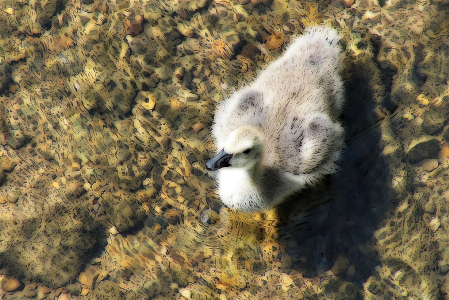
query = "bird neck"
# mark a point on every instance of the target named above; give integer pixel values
(255, 171)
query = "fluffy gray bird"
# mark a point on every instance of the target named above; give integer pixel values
(281, 133)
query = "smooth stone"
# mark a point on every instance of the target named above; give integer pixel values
(43, 290)
(341, 264)
(434, 224)
(164, 72)
(348, 291)
(433, 121)
(428, 165)
(430, 207)
(351, 270)
(198, 126)
(423, 148)
(10, 284)
(209, 216)
(185, 292)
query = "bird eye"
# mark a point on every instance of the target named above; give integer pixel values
(247, 151)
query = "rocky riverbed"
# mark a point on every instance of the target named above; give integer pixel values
(105, 115)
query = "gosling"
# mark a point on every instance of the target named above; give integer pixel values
(282, 133)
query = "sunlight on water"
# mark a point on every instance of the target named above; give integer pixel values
(105, 117)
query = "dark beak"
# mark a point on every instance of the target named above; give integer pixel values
(219, 161)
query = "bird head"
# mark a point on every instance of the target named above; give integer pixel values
(243, 149)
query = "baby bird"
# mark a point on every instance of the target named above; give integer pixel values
(281, 133)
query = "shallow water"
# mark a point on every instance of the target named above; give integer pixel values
(106, 108)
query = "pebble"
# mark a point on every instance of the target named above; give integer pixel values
(85, 291)
(113, 230)
(348, 290)
(75, 166)
(423, 148)
(341, 264)
(249, 50)
(434, 224)
(165, 141)
(290, 26)
(421, 98)
(198, 127)
(185, 292)
(428, 165)
(164, 72)
(209, 216)
(7, 164)
(174, 285)
(147, 99)
(445, 150)
(347, 3)
(185, 30)
(274, 41)
(12, 196)
(30, 293)
(10, 284)
(134, 26)
(64, 296)
(430, 207)
(433, 121)
(351, 270)
(374, 288)
(408, 116)
(42, 291)
(286, 261)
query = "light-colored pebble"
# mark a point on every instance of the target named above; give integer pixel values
(113, 230)
(198, 126)
(428, 164)
(10, 284)
(64, 297)
(44, 290)
(85, 291)
(434, 224)
(173, 285)
(185, 292)
(421, 98)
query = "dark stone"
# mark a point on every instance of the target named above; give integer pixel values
(423, 150)
(45, 23)
(433, 121)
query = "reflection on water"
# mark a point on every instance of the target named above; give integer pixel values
(106, 108)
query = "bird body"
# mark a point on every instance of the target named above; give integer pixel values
(282, 132)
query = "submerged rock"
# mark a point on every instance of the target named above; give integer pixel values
(10, 284)
(209, 216)
(423, 148)
(433, 121)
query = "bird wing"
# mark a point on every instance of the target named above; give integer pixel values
(245, 107)
(310, 146)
